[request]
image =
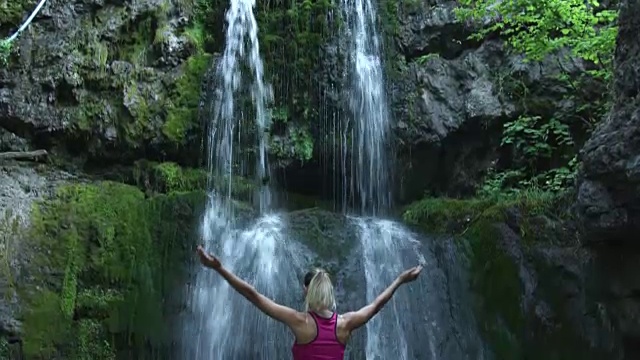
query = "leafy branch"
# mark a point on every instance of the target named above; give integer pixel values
(536, 29)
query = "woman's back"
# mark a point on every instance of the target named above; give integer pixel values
(318, 338)
(325, 345)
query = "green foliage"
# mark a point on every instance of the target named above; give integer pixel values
(534, 141)
(297, 144)
(425, 58)
(531, 137)
(543, 146)
(120, 255)
(12, 12)
(195, 34)
(182, 110)
(539, 28)
(292, 36)
(92, 343)
(171, 177)
(45, 327)
(390, 16)
(4, 348)
(5, 51)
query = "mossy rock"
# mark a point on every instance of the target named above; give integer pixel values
(14, 11)
(330, 235)
(110, 260)
(484, 225)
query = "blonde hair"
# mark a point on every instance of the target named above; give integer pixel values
(320, 295)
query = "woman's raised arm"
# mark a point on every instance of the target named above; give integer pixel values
(274, 310)
(358, 318)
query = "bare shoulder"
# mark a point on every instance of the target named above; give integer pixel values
(301, 318)
(343, 319)
(343, 329)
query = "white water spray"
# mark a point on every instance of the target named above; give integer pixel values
(369, 109)
(221, 324)
(384, 243)
(242, 30)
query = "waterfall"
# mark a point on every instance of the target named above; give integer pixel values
(381, 240)
(385, 244)
(219, 323)
(228, 123)
(368, 102)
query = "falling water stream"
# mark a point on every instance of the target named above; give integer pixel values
(369, 108)
(220, 324)
(381, 240)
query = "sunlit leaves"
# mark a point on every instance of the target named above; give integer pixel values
(537, 28)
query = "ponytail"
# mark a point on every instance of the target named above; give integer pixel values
(320, 295)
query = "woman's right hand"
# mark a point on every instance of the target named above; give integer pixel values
(207, 259)
(410, 275)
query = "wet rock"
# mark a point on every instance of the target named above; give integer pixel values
(452, 96)
(608, 190)
(608, 201)
(20, 187)
(69, 85)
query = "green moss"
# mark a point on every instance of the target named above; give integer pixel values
(139, 111)
(182, 113)
(292, 36)
(494, 275)
(6, 47)
(137, 42)
(313, 227)
(120, 255)
(88, 113)
(4, 349)
(195, 34)
(390, 18)
(297, 145)
(12, 12)
(169, 177)
(46, 329)
(175, 178)
(91, 343)
(446, 216)
(10, 232)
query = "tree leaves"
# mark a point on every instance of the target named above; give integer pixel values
(537, 28)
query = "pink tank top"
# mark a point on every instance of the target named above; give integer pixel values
(325, 346)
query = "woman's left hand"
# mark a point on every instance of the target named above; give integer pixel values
(207, 259)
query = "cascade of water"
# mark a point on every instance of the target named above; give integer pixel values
(242, 29)
(369, 109)
(221, 325)
(384, 243)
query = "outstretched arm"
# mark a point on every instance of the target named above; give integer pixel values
(274, 310)
(358, 318)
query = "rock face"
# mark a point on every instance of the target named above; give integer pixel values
(608, 200)
(538, 292)
(106, 80)
(20, 188)
(449, 99)
(453, 95)
(608, 191)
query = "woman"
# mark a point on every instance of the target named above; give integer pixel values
(320, 333)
